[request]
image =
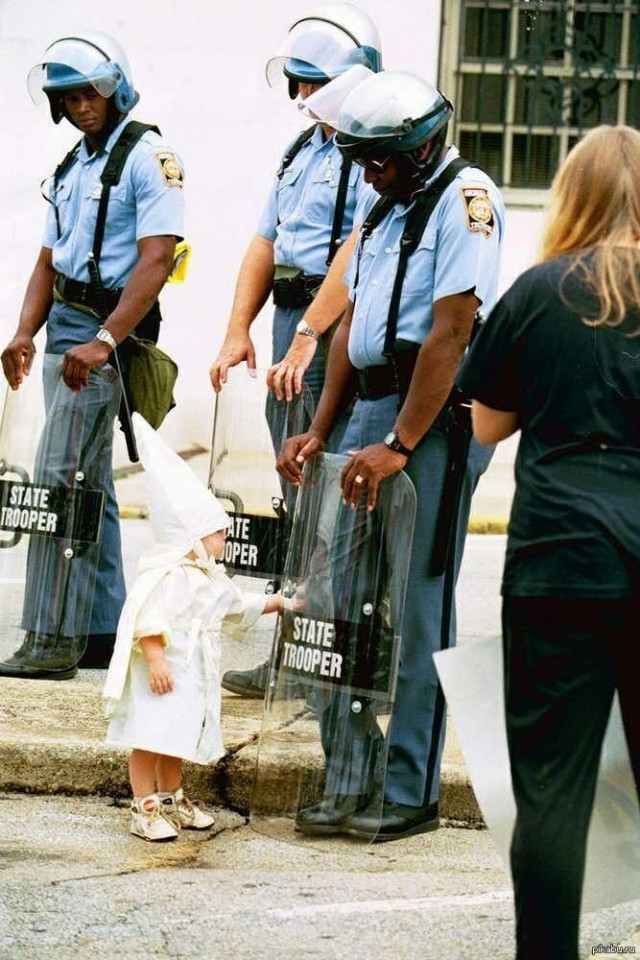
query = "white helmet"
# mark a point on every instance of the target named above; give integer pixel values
(325, 43)
(394, 112)
(94, 59)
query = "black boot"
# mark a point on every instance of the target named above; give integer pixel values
(98, 652)
(247, 683)
(43, 657)
(252, 684)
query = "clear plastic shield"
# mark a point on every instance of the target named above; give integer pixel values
(249, 427)
(472, 680)
(53, 471)
(334, 664)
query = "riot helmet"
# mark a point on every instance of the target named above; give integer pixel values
(91, 59)
(394, 114)
(325, 43)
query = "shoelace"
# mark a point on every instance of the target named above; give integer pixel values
(188, 807)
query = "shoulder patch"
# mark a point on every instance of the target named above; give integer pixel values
(171, 169)
(480, 218)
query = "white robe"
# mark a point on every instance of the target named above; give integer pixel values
(190, 604)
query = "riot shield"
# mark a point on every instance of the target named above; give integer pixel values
(249, 427)
(334, 665)
(472, 679)
(53, 469)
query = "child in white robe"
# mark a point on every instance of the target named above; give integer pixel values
(163, 685)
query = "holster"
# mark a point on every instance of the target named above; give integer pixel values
(295, 291)
(459, 432)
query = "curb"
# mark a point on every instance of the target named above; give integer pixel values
(52, 742)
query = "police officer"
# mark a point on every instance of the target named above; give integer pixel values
(305, 224)
(87, 81)
(404, 350)
(290, 254)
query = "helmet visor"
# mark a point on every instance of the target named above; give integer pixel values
(325, 104)
(409, 110)
(322, 45)
(80, 57)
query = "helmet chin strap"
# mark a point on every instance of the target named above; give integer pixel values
(414, 170)
(294, 87)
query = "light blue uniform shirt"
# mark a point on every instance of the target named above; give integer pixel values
(298, 217)
(148, 202)
(459, 251)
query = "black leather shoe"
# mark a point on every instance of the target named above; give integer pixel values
(247, 683)
(252, 684)
(327, 818)
(42, 657)
(24, 671)
(98, 652)
(397, 820)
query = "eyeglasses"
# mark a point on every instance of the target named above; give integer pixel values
(373, 165)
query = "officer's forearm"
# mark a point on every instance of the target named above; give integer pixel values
(336, 391)
(332, 298)
(38, 295)
(145, 283)
(436, 366)
(253, 286)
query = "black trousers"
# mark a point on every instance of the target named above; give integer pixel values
(564, 657)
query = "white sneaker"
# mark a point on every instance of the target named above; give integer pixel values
(147, 820)
(183, 813)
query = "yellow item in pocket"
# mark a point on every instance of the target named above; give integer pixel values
(181, 259)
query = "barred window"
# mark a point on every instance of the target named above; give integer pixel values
(529, 77)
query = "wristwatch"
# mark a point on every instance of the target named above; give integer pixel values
(307, 331)
(106, 337)
(392, 442)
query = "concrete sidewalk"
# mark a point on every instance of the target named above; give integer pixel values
(52, 733)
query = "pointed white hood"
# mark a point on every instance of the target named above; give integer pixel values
(181, 509)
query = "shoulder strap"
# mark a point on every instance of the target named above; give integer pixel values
(415, 226)
(294, 149)
(338, 213)
(60, 170)
(112, 172)
(375, 216)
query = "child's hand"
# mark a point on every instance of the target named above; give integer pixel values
(160, 678)
(278, 604)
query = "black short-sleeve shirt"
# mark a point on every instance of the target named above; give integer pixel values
(575, 520)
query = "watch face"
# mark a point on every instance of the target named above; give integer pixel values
(390, 438)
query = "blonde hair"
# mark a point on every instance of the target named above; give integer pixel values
(595, 215)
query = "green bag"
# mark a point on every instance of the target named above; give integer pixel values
(149, 380)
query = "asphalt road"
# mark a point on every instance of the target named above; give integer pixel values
(77, 886)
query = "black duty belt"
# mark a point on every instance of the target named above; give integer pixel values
(382, 381)
(297, 291)
(392, 377)
(376, 382)
(74, 291)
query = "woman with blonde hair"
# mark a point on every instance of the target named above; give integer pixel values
(559, 359)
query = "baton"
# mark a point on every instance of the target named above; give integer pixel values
(124, 413)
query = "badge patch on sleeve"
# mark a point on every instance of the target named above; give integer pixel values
(480, 218)
(171, 169)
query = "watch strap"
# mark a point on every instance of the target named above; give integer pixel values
(393, 442)
(307, 331)
(105, 337)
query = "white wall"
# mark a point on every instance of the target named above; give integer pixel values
(199, 66)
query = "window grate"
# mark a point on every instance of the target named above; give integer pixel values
(532, 76)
